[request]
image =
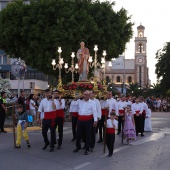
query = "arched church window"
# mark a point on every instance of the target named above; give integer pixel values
(140, 34)
(140, 48)
(118, 79)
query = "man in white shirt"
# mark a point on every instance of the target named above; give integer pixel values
(145, 111)
(87, 112)
(112, 103)
(137, 109)
(48, 107)
(74, 116)
(93, 130)
(121, 108)
(59, 121)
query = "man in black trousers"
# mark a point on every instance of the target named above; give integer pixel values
(87, 112)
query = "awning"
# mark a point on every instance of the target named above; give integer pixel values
(5, 67)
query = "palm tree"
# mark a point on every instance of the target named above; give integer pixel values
(134, 89)
(157, 90)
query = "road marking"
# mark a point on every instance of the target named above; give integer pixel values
(82, 165)
(154, 136)
(165, 130)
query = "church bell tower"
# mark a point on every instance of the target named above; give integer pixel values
(141, 70)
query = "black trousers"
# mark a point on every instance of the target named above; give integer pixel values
(46, 124)
(74, 126)
(83, 127)
(2, 119)
(139, 124)
(110, 140)
(101, 127)
(59, 123)
(120, 123)
(93, 136)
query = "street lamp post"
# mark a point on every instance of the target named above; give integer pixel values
(103, 61)
(59, 66)
(95, 64)
(72, 68)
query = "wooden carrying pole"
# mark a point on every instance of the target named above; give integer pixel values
(13, 125)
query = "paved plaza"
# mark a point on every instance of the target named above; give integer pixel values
(147, 153)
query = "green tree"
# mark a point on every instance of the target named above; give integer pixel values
(33, 32)
(163, 67)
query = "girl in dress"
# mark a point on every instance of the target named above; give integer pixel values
(129, 126)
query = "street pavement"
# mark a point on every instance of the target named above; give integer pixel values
(151, 152)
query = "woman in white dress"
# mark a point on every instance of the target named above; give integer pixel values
(148, 125)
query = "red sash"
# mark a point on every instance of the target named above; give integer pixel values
(75, 114)
(121, 112)
(137, 112)
(50, 115)
(110, 130)
(60, 113)
(104, 112)
(85, 118)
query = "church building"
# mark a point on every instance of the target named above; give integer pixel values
(127, 71)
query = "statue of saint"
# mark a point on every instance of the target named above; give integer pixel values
(83, 56)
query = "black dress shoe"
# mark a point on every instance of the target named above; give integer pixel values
(142, 135)
(45, 146)
(109, 155)
(59, 147)
(86, 152)
(52, 149)
(117, 133)
(136, 134)
(76, 150)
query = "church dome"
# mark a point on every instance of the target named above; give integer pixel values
(140, 27)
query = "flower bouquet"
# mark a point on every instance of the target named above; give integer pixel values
(85, 86)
